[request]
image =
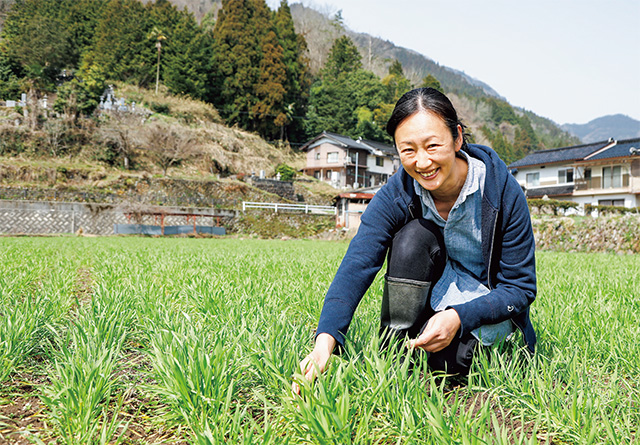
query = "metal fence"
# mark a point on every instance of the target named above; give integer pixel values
(301, 208)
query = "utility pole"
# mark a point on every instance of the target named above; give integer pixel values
(159, 46)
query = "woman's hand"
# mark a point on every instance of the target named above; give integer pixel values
(317, 360)
(440, 331)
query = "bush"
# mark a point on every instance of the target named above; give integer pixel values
(552, 205)
(287, 173)
(12, 140)
(604, 210)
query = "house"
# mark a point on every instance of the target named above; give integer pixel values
(601, 173)
(350, 206)
(347, 163)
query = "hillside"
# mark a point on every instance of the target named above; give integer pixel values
(89, 155)
(617, 126)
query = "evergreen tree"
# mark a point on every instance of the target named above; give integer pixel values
(35, 38)
(186, 50)
(431, 82)
(343, 58)
(237, 56)
(500, 144)
(80, 19)
(121, 48)
(345, 105)
(298, 79)
(270, 91)
(10, 74)
(526, 140)
(395, 82)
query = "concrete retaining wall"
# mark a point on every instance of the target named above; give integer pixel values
(36, 217)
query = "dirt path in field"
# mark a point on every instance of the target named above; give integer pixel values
(23, 412)
(83, 286)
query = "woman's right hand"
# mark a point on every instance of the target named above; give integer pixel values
(317, 360)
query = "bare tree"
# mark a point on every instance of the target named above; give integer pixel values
(120, 132)
(167, 145)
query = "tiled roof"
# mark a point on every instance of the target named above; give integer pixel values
(559, 190)
(347, 142)
(619, 150)
(565, 154)
(381, 146)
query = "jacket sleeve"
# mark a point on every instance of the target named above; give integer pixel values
(512, 272)
(364, 258)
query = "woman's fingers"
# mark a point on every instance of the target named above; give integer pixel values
(439, 333)
(308, 368)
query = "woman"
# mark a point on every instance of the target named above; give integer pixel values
(455, 223)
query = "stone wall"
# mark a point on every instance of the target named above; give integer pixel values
(614, 234)
(284, 189)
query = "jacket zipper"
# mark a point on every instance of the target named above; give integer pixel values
(493, 237)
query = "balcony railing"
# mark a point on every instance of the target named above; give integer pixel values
(595, 183)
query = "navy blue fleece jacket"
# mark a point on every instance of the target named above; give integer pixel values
(507, 246)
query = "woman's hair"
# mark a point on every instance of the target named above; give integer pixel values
(431, 100)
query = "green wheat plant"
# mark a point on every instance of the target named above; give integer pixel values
(160, 340)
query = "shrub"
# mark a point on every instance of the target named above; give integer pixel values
(589, 208)
(552, 205)
(287, 173)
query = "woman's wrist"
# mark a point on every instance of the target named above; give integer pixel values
(325, 343)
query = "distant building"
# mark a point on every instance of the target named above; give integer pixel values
(347, 163)
(601, 173)
(350, 206)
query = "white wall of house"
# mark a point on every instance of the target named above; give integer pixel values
(547, 176)
(619, 199)
(607, 182)
(381, 167)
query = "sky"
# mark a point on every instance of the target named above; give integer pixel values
(567, 60)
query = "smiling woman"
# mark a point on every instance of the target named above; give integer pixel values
(455, 228)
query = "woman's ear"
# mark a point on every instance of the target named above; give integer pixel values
(458, 142)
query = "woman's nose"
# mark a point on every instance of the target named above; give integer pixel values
(423, 159)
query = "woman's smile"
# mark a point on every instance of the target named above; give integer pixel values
(427, 151)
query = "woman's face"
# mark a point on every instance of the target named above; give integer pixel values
(428, 151)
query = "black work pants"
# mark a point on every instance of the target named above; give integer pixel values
(415, 262)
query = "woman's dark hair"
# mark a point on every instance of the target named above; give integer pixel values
(431, 100)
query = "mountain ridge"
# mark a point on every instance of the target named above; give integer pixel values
(617, 126)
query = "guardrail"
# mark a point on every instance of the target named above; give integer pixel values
(276, 206)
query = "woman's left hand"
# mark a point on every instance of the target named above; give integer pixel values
(440, 331)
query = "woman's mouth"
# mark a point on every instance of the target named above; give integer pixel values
(429, 174)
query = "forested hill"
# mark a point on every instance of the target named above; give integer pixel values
(320, 31)
(513, 132)
(285, 75)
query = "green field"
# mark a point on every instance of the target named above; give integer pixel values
(145, 340)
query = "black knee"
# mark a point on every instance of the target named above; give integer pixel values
(417, 252)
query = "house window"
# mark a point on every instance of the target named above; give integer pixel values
(332, 157)
(533, 179)
(328, 174)
(611, 202)
(612, 177)
(317, 156)
(379, 161)
(565, 176)
(317, 174)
